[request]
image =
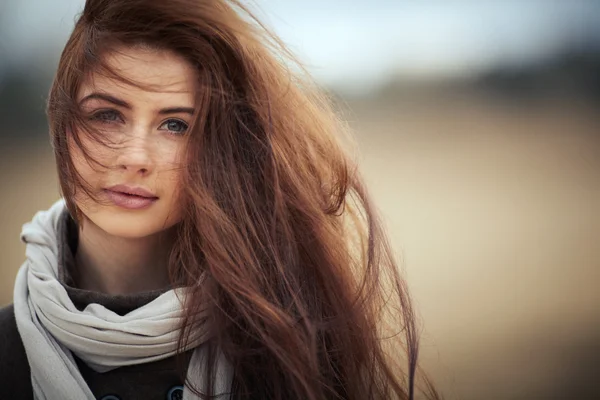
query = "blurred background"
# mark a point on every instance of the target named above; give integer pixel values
(479, 129)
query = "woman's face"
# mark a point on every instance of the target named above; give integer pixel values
(138, 179)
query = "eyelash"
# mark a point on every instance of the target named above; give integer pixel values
(100, 116)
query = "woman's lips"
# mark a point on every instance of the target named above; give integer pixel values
(136, 190)
(123, 197)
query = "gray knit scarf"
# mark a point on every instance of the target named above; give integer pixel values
(53, 329)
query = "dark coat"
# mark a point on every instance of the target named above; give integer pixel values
(150, 381)
(15, 378)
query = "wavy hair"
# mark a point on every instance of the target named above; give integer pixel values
(279, 241)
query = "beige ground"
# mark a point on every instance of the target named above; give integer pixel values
(494, 208)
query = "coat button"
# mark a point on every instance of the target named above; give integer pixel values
(110, 397)
(175, 393)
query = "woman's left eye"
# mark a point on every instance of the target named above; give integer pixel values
(174, 125)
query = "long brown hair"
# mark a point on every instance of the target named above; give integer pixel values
(279, 240)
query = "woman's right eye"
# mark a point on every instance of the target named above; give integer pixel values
(106, 116)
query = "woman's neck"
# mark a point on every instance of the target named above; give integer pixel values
(121, 266)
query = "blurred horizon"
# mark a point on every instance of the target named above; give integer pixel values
(538, 48)
(367, 45)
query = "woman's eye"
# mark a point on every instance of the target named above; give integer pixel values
(106, 116)
(175, 126)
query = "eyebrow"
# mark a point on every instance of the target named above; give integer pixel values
(124, 104)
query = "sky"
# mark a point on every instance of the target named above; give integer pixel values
(362, 43)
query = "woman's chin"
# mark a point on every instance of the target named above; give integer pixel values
(131, 226)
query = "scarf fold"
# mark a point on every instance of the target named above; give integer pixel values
(53, 329)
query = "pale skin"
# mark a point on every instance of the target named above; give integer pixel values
(120, 250)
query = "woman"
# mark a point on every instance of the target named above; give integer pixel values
(215, 238)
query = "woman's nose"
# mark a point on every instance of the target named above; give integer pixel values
(134, 155)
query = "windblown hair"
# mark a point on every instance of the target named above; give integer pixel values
(279, 241)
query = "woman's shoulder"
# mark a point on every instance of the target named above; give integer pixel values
(10, 340)
(15, 375)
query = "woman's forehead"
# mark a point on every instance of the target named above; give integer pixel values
(143, 69)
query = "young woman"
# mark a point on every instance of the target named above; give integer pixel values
(214, 239)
